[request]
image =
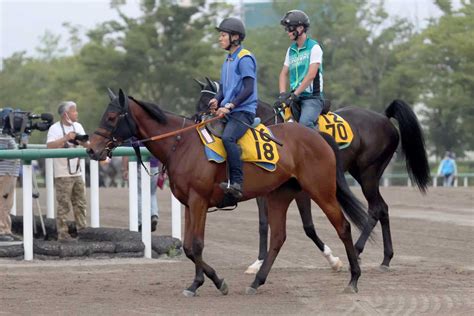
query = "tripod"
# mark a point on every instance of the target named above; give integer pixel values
(23, 144)
(36, 196)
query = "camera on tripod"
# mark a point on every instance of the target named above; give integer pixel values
(19, 124)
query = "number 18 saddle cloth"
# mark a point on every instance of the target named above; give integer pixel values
(256, 148)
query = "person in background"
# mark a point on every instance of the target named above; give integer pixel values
(154, 210)
(9, 171)
(68, 184)
(448, 169)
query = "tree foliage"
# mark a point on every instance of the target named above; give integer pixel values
(369, 60)
(441, 58)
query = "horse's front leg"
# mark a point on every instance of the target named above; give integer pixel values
(278, 202)
(195, 223)
(263, 236)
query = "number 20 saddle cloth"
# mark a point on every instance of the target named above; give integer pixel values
(256, 148)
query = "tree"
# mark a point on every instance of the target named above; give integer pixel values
(443, 58)
(49, 48)
(157, 55)
(359, 51)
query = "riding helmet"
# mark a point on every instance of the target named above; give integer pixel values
(295, 18)
(232, 26)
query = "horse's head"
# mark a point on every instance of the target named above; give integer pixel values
(208, 91)
(115, 127)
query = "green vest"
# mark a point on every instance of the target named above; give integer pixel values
(299, 66)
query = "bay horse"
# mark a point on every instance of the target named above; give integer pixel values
(375, 141)
(194, 180)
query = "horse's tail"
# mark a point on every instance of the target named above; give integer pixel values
(352, 207)
(413, 143)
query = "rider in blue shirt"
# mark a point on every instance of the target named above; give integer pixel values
(237, 99)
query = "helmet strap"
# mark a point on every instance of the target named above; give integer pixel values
(232, 42)
(297, 34)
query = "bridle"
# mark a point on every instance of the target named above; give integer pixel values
(199, 115)
(120, 132)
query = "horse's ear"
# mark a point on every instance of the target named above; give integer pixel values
(211, 84)
(122, 98)
(201, 84)
(112, 95)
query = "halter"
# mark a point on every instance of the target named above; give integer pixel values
(113, 140)
(131, 129)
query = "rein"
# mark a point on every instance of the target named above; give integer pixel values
(162, 136)
(158, 137)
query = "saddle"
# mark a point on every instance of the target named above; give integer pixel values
(216, 128)
(296, 108)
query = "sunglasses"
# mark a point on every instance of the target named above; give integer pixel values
(290, 28)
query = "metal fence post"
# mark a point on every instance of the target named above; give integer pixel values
(49, 187)
(94, 191)
(28, 210)
(175, 217)
(146, 215)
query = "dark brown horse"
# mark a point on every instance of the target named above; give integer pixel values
(306, 163)
(375, 142)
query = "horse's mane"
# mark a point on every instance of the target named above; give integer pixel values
(153, 110)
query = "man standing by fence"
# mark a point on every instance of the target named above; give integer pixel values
(9, 170)
(68, 183)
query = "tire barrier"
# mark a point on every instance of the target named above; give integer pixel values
(90, 242)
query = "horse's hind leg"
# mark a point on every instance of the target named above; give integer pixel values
(303, 201)
(304, 207)
(263, 236)
(378, 210)
(278, 202)
(324, 195)
(193, 246)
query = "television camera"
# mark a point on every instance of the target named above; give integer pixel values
(20, 124)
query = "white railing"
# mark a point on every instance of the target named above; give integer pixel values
(462, 179)
(176, 213)
(27, 192)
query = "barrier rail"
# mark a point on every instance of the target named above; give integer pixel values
(38, 151)
(464, 177)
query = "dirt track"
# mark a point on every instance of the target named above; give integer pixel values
(432, 270)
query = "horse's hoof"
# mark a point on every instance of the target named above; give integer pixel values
(189, 293)
(254, 267)
(224, 288)
(350, 289)
(250, 291)
(337, 266)
(384, 268)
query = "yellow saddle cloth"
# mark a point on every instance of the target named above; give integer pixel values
(256, 147)
(331, 124)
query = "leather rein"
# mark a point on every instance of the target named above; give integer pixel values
(114, 141)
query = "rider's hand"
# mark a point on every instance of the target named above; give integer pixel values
(213, 104)
(283, 96)
(292, 98)
(222, 111)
